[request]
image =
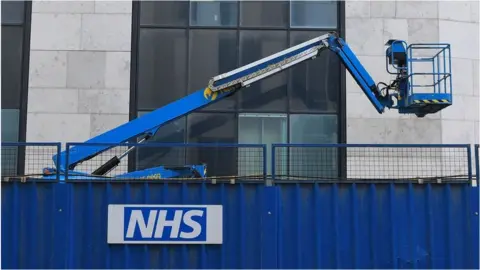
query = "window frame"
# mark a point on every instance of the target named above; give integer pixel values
(235, 4)
(338, 22)
(340, 29)
(284, 116)
(217, 107)
(25, 24)
(165, 93)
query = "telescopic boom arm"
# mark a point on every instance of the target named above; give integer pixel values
(226, 84)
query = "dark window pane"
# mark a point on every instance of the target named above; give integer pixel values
(212, 52)
(313, 161)
(12, 37)
(151, 156)
(164, 13)
(259, 129)
(213, 13)
(10, 131)
(314, 85)
(313, 14)
(10, 125)
(270, 93)
(13, 12)
(213, 128)
(313, 128)
(162, 69)
(264, 13)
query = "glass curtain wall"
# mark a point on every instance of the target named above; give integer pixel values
(182, 44)
(15, 51)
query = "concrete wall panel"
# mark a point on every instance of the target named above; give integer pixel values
(103, 122)
(51, 31)
(63, 7)
(117, 74)
(104, 101)
(47, 69)
(79, 68)
(55, 100)
(454, 22)
(106, 32)
(416, 9)
(86, 69)
(42, 127)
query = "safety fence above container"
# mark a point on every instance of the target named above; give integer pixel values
(22, 160)
(241, 162)
(166, 160)
(382, 162)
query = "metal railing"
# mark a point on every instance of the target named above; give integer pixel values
(248, 162)
(227, 161)
(375, 162)
(27, 160)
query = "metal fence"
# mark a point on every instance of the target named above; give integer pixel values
(23, 160)
(246, 161)
(386, 162)
(289, 162)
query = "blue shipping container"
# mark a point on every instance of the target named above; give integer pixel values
(294, 225)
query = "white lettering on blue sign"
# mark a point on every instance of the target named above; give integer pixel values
(165, 224)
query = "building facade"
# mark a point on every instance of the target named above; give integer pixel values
(80, 68)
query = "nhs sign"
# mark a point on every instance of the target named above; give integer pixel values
(165, 224)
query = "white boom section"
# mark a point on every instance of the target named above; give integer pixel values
(278, 62)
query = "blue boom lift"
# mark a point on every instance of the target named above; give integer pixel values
(398, 94)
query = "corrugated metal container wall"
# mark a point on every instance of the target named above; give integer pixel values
(54, 225)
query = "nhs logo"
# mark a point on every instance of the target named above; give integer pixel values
(165, 224)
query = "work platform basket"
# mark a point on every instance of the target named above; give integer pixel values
(429, 84)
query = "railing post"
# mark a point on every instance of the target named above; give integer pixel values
(59, 149)
(67, 154)
(264, 167)
(21, 157)
(273, 161)
(477, 163)
(342, 161)
(469, 159)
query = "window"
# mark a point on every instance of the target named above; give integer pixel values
(213, 128)
(10, 133)
(315, 85)
(164, 13)
(313, 129)
(212, 52)
(12, 39)
(313, 14)
(15, 28)
(213, 13)
(173, 132)
(260, 129)
(10, 123)
(162, 71)
(270, 93)
(13, 12)
(264, 13)
(183, 44)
